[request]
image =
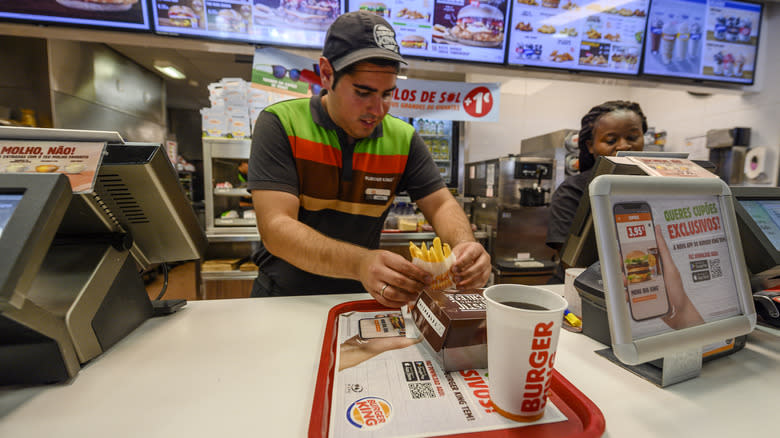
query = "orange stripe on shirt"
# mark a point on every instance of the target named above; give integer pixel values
(382, 164)
(312, 151)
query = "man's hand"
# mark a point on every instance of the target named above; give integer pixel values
(472, 265)
(391, 279)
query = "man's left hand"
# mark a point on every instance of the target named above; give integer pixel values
(472, 265)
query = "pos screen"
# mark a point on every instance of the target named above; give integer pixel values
(764, 212)
(8, 203)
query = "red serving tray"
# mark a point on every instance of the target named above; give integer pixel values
(585, 419)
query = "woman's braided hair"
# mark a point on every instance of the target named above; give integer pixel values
(587, 160)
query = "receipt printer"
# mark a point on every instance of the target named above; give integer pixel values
(768, 306)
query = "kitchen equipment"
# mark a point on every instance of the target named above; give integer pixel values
(512, 196)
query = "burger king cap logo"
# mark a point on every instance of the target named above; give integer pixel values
(385, 38)
(369, 413)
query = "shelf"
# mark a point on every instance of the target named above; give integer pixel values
(232, 235)
(228, 275)
(447, 136)
(234, 221)
(241, 192)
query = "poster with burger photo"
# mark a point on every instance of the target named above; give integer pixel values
(296, 14)
(181, 13)
(110, 13)
(470, 23)
(228, 17)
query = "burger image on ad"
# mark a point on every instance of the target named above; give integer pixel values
(99, 5)
(480, 23)
(377, 8)
(182, 16)
(414, 42)
(638, 266)
(228, 20)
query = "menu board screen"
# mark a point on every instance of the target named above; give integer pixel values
(468, 30)
(300, 23)
(122, 14)
(712, 40)
(591, 35)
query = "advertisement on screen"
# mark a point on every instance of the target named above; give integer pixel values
(467, 30)
(591, 35)
(288, 22)
(675, 262)
(703, 39)
(120, 14)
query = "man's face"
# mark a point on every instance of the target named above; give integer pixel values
(361, 99)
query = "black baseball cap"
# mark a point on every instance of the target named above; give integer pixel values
(357, 36)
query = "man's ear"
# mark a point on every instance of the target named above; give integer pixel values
(326, 73)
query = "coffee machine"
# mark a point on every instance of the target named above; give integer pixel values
(511, 203)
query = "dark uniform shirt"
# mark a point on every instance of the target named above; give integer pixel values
(563, 207)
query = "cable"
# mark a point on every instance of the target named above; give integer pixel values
(165, 282)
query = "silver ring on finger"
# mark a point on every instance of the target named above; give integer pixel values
(382, 292)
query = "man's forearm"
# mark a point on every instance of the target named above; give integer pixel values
(451, 224)
(312, 251)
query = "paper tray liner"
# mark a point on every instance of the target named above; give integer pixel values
(584, 418)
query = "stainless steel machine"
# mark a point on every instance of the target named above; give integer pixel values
(512, 196)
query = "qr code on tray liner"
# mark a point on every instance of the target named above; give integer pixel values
(422, 390)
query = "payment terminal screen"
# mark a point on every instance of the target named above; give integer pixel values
(766, 214)
(8, 204)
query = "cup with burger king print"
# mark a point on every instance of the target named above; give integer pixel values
(523, 325)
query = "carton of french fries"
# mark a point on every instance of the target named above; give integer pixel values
(437, 261)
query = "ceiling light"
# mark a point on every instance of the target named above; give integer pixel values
(169, 70)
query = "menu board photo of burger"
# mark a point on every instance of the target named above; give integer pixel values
(120, 14)
(470, 30)
(186, 14)
(300, 23)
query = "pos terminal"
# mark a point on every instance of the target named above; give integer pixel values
(70, 283)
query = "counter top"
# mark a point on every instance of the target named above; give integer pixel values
(247, 367)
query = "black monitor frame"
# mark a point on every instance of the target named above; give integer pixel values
(761, 256)
(30, 229)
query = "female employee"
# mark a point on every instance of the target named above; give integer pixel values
(607, 128)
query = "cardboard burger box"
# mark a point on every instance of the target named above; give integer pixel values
(453, 324)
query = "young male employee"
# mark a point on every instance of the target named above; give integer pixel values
(323, 172)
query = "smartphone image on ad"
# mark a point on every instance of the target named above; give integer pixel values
(381, 327)
(647, 296)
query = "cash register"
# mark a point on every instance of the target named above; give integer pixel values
(758, 217)
(583, 249)
(70, 273)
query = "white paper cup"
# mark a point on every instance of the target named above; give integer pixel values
(570, 292)
(521, 348)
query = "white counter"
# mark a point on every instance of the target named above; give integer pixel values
(247, 367)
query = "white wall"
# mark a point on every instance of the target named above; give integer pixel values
(530, 107)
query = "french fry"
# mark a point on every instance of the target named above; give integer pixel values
(437, 249)
(412, 250)
(447, 250)
(426, 257)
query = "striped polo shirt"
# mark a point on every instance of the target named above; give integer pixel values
(345, 191)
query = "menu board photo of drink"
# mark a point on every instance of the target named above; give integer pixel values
(300, 23)
(119, 14)
(467, 30)
(712, 40)
(591, 35)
